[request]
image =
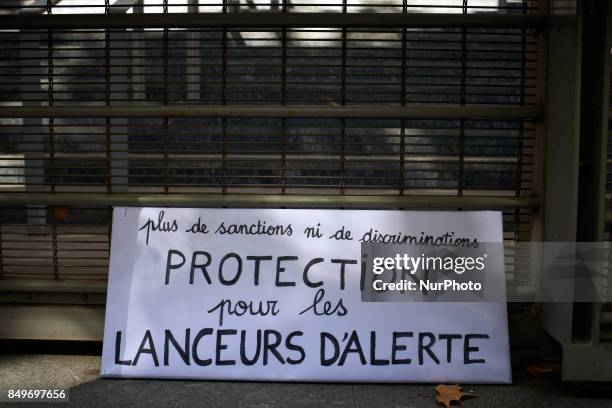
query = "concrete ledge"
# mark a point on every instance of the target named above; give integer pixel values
(51, 322)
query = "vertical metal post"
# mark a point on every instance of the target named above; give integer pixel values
(343, 102)
(138, 78)
(118, 58)
(32, 128)
(51, 101)
(521, 134)
(461, 147)
(192, 65)
(403, 80)
(107, 126)
(166, 131)
(107, 97)
(560, 148)
(51, 134)
(284, 102)
(593, 147)
(593, 120)
(224, 145)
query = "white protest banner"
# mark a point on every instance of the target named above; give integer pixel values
(274, 294)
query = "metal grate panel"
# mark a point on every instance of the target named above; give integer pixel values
(373, 116)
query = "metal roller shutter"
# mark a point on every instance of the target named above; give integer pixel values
(429, 104)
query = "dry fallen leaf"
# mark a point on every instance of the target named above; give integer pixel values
(60, 213)
(537, 371)
(448, 394)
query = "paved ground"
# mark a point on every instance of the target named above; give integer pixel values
(66, 371)
(46, 370)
